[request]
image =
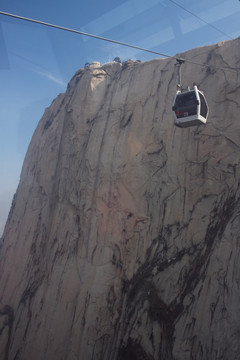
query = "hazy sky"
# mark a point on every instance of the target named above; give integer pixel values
(36, 62)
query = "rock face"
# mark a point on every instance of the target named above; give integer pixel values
(123, 238)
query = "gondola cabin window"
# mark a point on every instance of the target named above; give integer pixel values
(186, 104)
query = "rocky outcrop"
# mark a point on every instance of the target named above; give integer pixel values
(123, 237)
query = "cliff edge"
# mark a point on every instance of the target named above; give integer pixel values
(123, 237)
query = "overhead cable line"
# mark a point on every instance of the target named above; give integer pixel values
(83, 33)
(107, 39)
(201, 19)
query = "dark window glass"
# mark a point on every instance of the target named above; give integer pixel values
(186, 99)
(203, 109)
(186, 104)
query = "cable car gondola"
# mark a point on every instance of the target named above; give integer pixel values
(190, 108)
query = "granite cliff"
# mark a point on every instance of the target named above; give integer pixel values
(123, 238)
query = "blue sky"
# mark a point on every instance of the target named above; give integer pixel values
(36, 62)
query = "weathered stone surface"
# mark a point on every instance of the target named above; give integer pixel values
(123, 237)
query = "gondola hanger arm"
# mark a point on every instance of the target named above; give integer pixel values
(179, 63)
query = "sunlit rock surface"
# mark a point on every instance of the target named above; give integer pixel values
(123, 239)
